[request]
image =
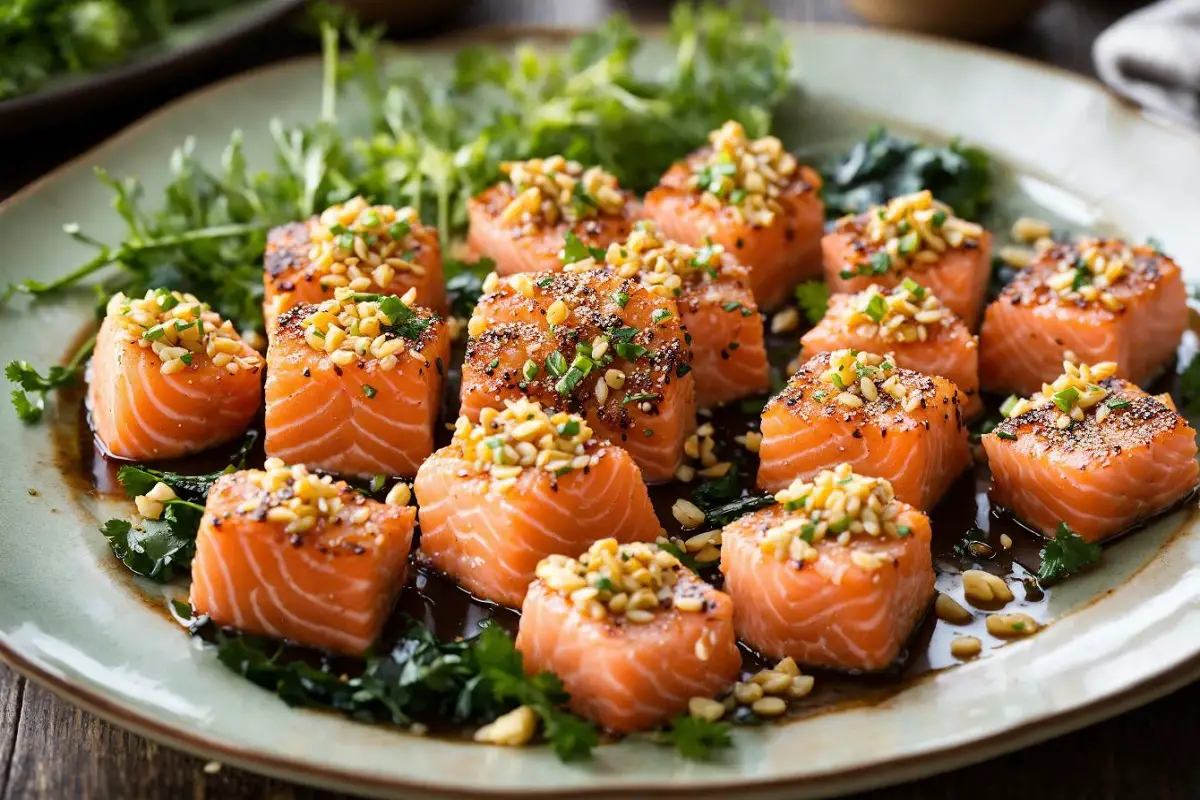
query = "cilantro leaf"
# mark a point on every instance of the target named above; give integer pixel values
(575, 250)
(1066, 554)
(29, 399)
(813, 298)
(157, 549)
(695, 738)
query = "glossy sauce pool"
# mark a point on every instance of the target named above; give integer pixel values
(966, 534)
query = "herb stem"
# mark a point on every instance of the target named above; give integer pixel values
(329, 49)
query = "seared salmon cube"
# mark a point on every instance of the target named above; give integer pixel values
(521, 223)
(1092, 451)
(916, 237)
(911, 324)
(170, 378)
(282, 552)
(1097, 300)
(860, 408)
(523, 484)
(354, 384)
(632, 633)
(370, 249)
(837, 575)
(752, 198)
(729, 358)
(593, 344)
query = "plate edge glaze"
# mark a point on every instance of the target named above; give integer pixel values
(893, 771)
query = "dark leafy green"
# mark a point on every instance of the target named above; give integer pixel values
(695, 739)
(158, 549)
(41, 40)
(471, 681)
(1066, 554)
(728, 512)
(882, 166)
(433, 144)
(137, 479)
(813, 299)
(464, 283)
(1189, 381)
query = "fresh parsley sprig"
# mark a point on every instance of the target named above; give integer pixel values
(1066, 554)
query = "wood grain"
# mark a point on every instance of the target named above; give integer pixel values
(50, 749)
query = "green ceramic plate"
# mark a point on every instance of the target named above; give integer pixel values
(1123, 634)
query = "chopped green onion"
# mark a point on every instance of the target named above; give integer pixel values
(530, 370)
(556, 364)
(1066, 398)
(369, 391)
(876, 307)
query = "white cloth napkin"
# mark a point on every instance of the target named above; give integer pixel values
(1152, 56)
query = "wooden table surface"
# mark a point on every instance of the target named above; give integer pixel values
(50, 749)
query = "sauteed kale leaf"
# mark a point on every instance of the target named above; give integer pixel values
(882, 166)
(471, 681)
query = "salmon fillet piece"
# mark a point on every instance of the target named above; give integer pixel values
(904, 239)
(769, 218)
(632, 669)
(351, 413)
(864, 321)
(848, 605)
(1135, 319)
(729, 358)
(488, 524)
(912, 434)
(1128, 456)
(306, 261)
(522, 223)
(593, 344)
(269, 561)
(157, 392)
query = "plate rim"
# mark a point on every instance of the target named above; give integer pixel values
(889, 772)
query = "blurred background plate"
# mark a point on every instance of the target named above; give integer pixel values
(187, 47)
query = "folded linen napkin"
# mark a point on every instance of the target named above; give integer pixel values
(1152, 56)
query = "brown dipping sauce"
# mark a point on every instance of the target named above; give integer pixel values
(966, 535)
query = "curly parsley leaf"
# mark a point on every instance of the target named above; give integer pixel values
(883, 166)
(813, 298)
(1066, 554)
(695, 738)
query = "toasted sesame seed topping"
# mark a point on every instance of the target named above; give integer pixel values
(553, 189)
(363, 246)
(746, 175)
(837, 503)
(905, 314)
(636, 581)
(912, 229)
(660, 264)
(524, 436)
(1086, 271)
(176, 327)
(294, 496)
(1075, 392)
(353, 326)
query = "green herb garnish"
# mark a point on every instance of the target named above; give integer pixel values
(1066, 554)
